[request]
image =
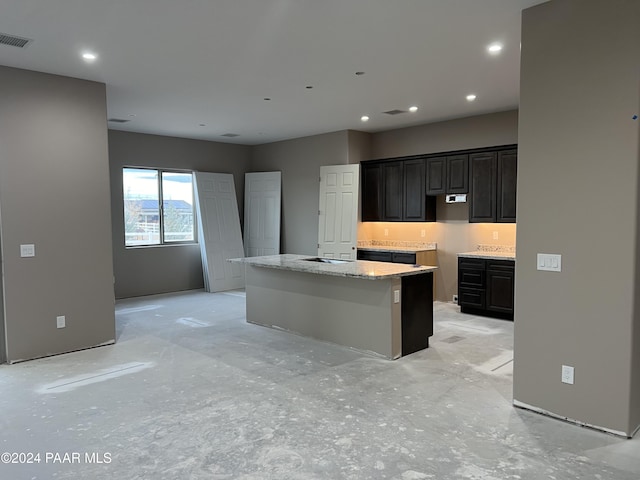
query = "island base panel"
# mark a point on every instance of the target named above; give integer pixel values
(357, 313)
(417, 312)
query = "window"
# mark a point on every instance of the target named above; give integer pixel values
(158, 207)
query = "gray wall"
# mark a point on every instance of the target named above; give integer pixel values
(3, 353)
(300, 160)
(54, 193)
(578, 196)
(167, 268)
(464, 133)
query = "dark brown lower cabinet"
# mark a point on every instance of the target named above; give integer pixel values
(417, 312)
(390, 257)
(486, 287)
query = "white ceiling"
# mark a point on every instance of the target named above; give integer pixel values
(176, 64)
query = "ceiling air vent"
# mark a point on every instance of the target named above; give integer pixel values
(13, 41)
(119, 120)
(395, 112)
(230, 135)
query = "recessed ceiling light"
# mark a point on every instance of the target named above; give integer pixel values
(471, 97)
(494, 48)
(89, 56)
(413, 109)
(364, 118)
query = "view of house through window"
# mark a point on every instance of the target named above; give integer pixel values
(158, 207)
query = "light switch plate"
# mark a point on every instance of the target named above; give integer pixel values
(61, 321)
(549, 262)
(396, 296)
(28, 250)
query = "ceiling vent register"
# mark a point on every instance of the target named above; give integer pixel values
(395, 112)
(13, 41)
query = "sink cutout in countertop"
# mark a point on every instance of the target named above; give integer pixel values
(325, 260)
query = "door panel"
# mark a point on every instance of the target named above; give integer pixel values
(219, 231)
(262, 201)
(338, 212)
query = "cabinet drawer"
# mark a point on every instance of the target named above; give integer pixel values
(409, 258)
(501, 265)
(477, 263)
(374, 256)
(471, 297)
(472, 278)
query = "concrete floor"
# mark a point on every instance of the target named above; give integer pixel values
(191, 391)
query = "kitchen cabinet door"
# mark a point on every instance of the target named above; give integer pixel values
(371, 192)
(500, 286)
(414, 197)
(436, 173)
(506, 185)
(482, 189)
(457, 174)
(393, 189)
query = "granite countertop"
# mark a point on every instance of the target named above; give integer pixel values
(400, 247)
(489, 255)
(363, 269)
(396, 249)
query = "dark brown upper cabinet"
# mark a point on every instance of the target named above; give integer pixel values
(371, 186)
(448, 174)
(414, 198)
(492, 190)
(394, 191)
(393, 188)
(507, 181)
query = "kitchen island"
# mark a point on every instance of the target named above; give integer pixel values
(378, 307)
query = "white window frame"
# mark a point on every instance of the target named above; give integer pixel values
(161, 233)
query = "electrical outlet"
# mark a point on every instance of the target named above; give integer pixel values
(61, 321)
(386, 232)
(423, 233)
(567, 374)
(455, 299)
(28, 250)
(495, 235)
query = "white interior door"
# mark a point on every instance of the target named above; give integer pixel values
(262, 213)
(338, 213)
(219, 231)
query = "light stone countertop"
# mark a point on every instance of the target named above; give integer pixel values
(489, 255)
(398, 249)
(363, 269)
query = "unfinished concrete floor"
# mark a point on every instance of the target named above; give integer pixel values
(191, 391)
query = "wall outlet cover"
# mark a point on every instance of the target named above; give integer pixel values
(61, 321)
(455, 299)
(27, 250)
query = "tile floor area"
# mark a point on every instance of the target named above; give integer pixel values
(191, 391)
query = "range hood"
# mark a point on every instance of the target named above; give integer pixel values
(456, 198)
